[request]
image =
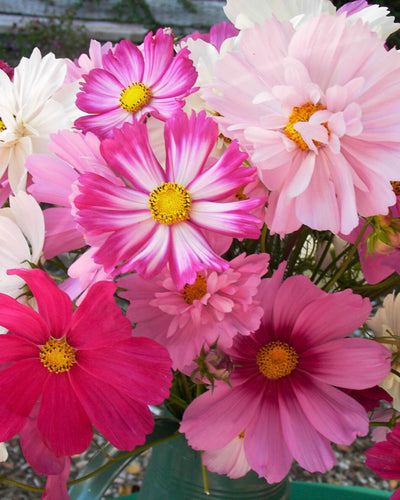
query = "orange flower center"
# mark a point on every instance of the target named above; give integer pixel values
(134, 97)
(195, 291)
(302, 114)
(277, 359)
(57, 356)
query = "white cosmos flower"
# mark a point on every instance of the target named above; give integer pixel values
(245, 13)
(30, 111)
(386, 324)
(21, 240)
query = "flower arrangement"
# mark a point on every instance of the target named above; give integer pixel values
(209, 226)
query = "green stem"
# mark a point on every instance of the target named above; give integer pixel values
(21, 485)
(186, 388)
(205, 476)
(302, 236)
(176, 400)
(263, 239)
(322, 257)
(136, 451)
(347, 261)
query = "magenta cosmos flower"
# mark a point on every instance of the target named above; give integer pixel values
(215, 307)
(84, 368)
(285, 398)
(158, 215)
(133, 82)
(384, 458)
(318, 113)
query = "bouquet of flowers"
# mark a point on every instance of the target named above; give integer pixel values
(208, 225)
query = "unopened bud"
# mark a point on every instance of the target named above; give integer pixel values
(218, 364)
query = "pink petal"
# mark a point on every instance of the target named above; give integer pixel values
(100, 92)
(216, 417)
(188, 143)
(265, 446)
(311, 450)
(333, 413)
(339, 362)
(158, 52)
(54, 305)
(62, 421)
(16, 348)
(62, 232)
(98, 321)
(121, 419)
(126, 62)
(22, 321)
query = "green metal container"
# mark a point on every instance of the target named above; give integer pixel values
(175, 473)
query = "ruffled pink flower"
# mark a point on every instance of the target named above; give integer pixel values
(86, 62)
(158, 215)
(133, 82)
(285, 391)
(84, 368)
(216, 306)
(318, 113)
(217, 35)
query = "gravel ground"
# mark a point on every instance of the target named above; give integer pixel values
(350, 470)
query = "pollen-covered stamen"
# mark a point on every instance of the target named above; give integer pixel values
(277, 359)
(302, 114)
(195, 291)
(169, 203)
(134, 97)
(239, 195)
(57, 356)
(396, 187)
(2, 126)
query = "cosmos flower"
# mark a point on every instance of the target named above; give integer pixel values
(158, 215)
(216, 307)
(133, 82)
(285, 393)
(84, 368)
(386, 325)
(318, 114)
(33, 106)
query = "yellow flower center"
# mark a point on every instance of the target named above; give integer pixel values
(169, 203)
(240, 195)
(57, 356)
(277, 359)
(134, 97)
(195, 291)
(396, 187)
(2, 126)
(302, 114)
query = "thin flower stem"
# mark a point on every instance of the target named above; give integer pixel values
(263, 239)
(322, 257)
(205, 476)
(348, 259)
(176, 400)
(395, 372)
(186, 388)
(294, 255)
(136, 451)
(21, 485)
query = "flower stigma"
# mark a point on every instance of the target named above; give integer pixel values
(195, 291)
(169, 203)
(2, 126)
(277, 359)
(57, 356)
(134, 97)
(302, 114)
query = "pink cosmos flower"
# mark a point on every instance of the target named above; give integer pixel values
(318, 113)
(285, 392)
(230, 459)
(384, 458)
(83, 367)
(216, 306)
(133, 82)
(158, 215)
(86, 62)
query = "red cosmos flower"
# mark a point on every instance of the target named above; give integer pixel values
(83, 367)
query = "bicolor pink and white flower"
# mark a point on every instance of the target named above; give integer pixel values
(285, 393)
(318, 114)
(133, 82)
(216, 307)
(84, 369)
(158, 216)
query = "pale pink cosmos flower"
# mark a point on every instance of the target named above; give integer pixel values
(86, 62)
(158, 215)
(133, 82)
(216, 307)
(84, 369)
(318, 113)
(230, 459)
(285, 392)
